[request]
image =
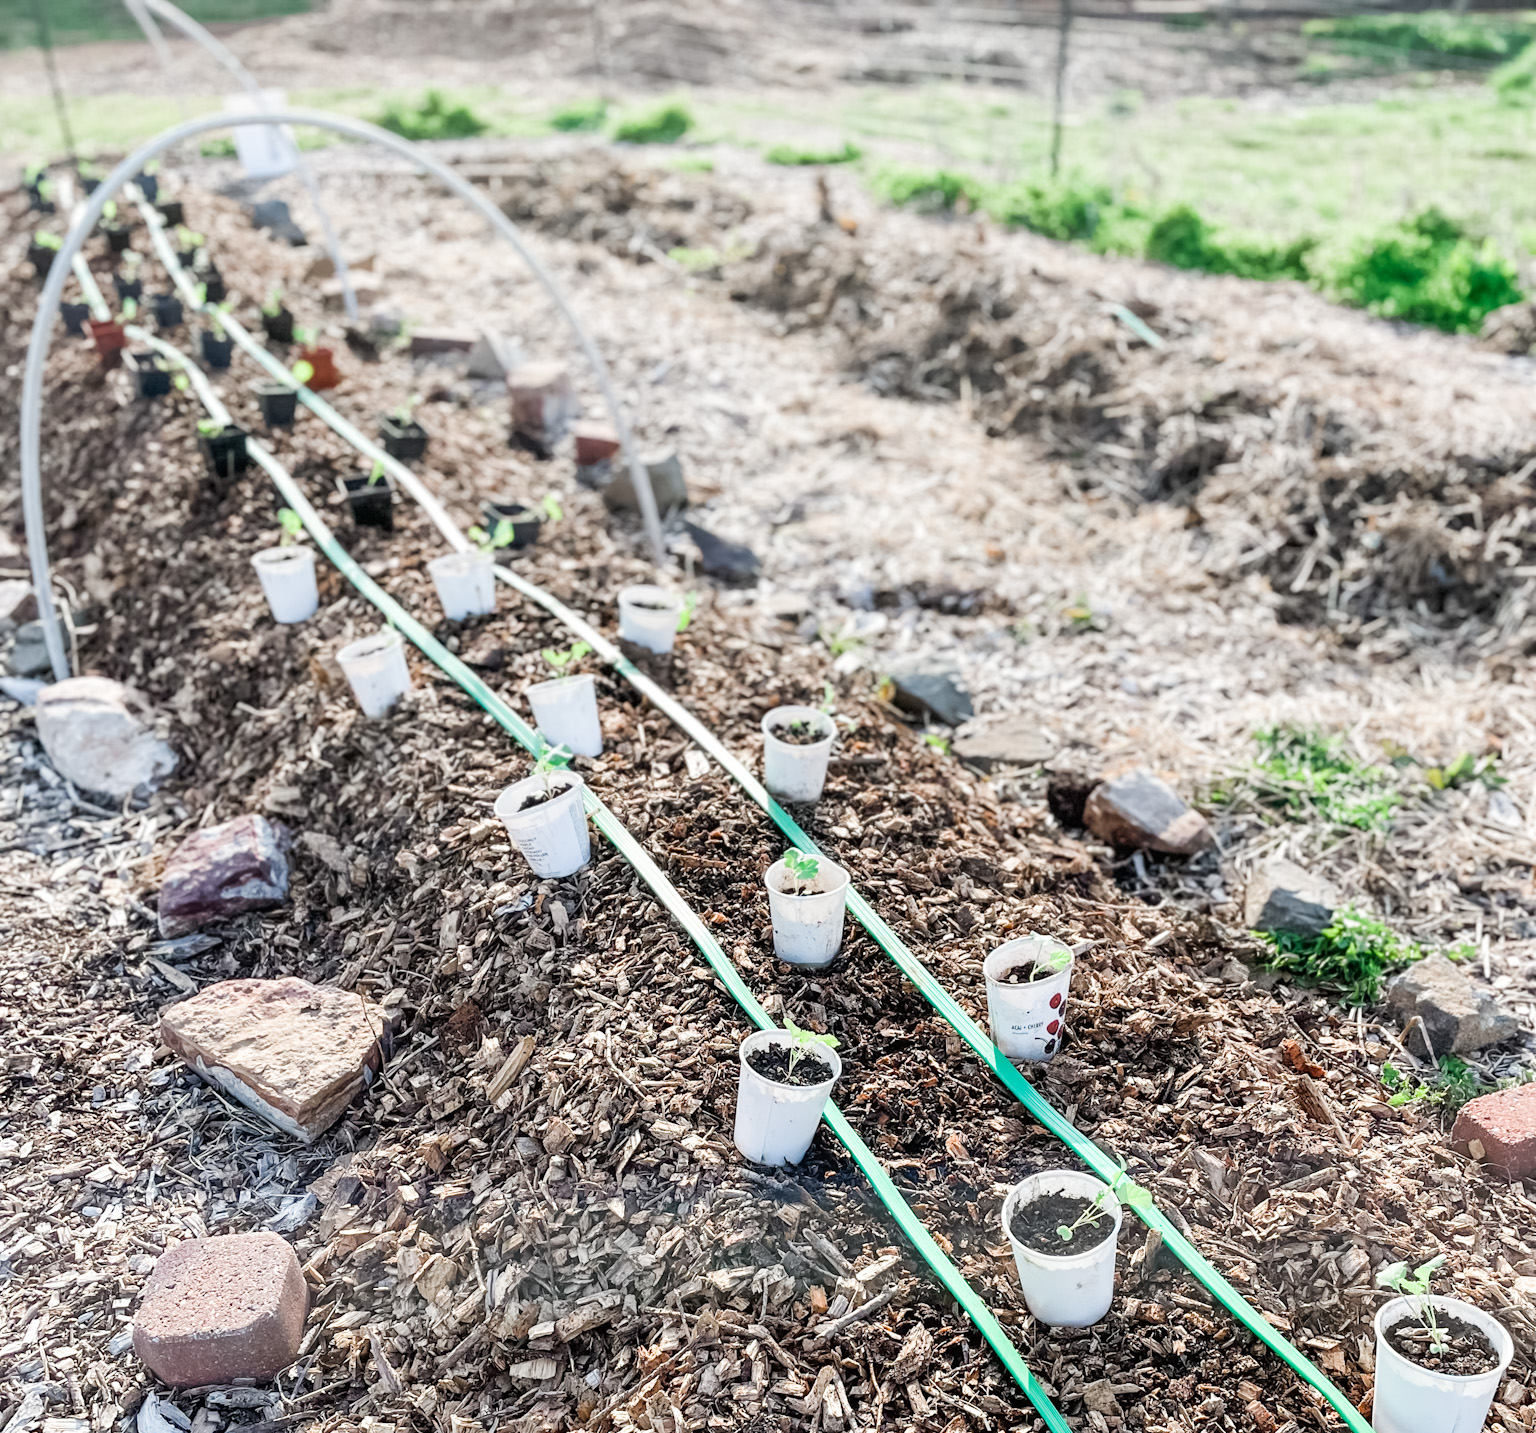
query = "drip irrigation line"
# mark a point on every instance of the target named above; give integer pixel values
(894, 948)
(670, 897)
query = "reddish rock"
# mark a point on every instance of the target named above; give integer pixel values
(595, 443)
(296, 1053)
(219, 1309)
(543, 403)
(1138, 810)
(223, 871)
(1500, 1129)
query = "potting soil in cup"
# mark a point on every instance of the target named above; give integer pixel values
(1072, 1285)
(375, 669)
(776, 1122)
(648, 617)
(797, 744)
(1039, 1223)
(1413, 1398)
(1027, 1019)
(552, 832)
(807, 928)
(466, 584)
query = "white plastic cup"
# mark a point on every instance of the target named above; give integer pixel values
(1027, 1020)
(265, 151)
(565, 712)
(288, 582)
(1065, 1290)
(1412, 1399)
(466, 584)
(808, 929)
(648, 626)
(375, 669)
(790, 771)
(776, 1123)
(553, 835)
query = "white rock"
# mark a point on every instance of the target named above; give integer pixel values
(100, 735)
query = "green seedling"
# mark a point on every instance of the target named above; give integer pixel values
(801, 1043)
(130, 311)
(1091, 1215)
(48, 241)
(499, 536)
(292, 525)
(180, 382)
(838, 642)
(402, 414)
(109, 210)
(828, 699)
(377, 475)
(563, 661)
(1415, 1285)
(189, 239)
(550, 759)
(803, 868)
(131, 260)
(303, 371)
(274, 303)
(937, 743)
(551, 508)
(304, 337)
(1129, 1193)
(686, 611)
(209, 427)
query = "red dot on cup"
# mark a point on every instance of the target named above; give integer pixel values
(1053, 1027)
(1056, 1001)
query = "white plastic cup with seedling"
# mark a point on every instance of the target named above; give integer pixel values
(1028, 982)
(808, 899)
(466, 581)
(779, 1105)
(1439, 1360)
(546, 817)
(287, 573)
(565, 707)
(1063, 1227)
(797, 745)
(651, 616)
(375, 669)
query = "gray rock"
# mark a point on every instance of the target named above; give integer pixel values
(100, 735)
(727, 561)
(274, 216)
(223, 871)
(1457, 1014)
(928, 690)
(494, 355)
(1014, 741)
(1283, 897)
(1138, 810)
(29, 657)
(665, 471)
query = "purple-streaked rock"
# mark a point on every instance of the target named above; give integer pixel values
(1140, 811)
(216, 1310)
(101, 735)
(223, 871)
(295, 1053)
(543, 403)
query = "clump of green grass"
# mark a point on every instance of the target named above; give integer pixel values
(1306, 775)
(1515, 82)
(1353, 955)
(665, 125)
(1183, 239)
(1443, 1093)
(1427, 36)
(789, 155)
(930, 191)
(583, 117)
(1429, 270)
(433, 118)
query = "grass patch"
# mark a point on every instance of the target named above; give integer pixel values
(789, 155)
(432, 118)
(74, 22)
(1435, 34)
(1183, 239)
(583, 117)
(1515, 83)
(1429, 270)
(1307, 775)
(1353, 956)
(665, 125)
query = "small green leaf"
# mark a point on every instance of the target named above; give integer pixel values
(303, 370)
(1064, 1233)
(551, 508)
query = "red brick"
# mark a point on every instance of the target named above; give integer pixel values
(1504, 1124)
(219, 1309)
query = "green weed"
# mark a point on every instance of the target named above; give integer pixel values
(1353, 955)
(1429, 270)
(1429, 36)
(585, 116)
(665, 125)
(1444, 1093)
(928, 191)
(789, 155)
(433, 118)
(1515, 83)
(1307, 774)
(1184, 240)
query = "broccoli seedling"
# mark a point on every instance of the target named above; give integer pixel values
(303, 371)
(550, 759)
(130, 311)
(45, 240)
(686, 611)
(551, 508)
(209, 427)
(499, 536)
(1091, 1215)
(803, 868)
(377, 475)
(563, 661)
(1415, 1285)
(109, 210)
(801, 1041)
(292, 525)
(274, 303)
(403, 414)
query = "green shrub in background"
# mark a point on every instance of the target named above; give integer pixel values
(788, 154)
(1059, 210)
(666, 125)
(1182, 238)
(433, 118)
(1515, 83)
(1429, 270)
(930, 191)
(584, 116)
(1427, 36)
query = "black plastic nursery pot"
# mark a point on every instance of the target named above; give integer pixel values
(278, 326)
(406, 441)
(217, 352)
(167, 310)
(74, 316)
(526, 523)
(149, 186)
(225, 453)
(39, 204)
(40, 256)
(89, 186)
(154, 377)
(173, 212)
(372, 504)
(128, 288)
(279, 404)
(187, 258)
(119, 237)
(213, 282)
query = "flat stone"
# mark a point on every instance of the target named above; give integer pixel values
(274, 216)
(1281, 896)
(727, 561)
(668, 485)
(1500, 1129)
(932, 691)
(216, 1310)
(494, 355)
(1138, 810)
(434, 342)
(1013, 741)
(100, 735)
(223, 871)
(296, 1053)
(1457, 1014)
(29, 656)
(543, 403)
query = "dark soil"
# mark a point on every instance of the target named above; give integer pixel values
(1035, 1224)
(799, 733)
(1027, 973)
(1466, 1349)
(772, 1063)
(541, 798)
(651, 606)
